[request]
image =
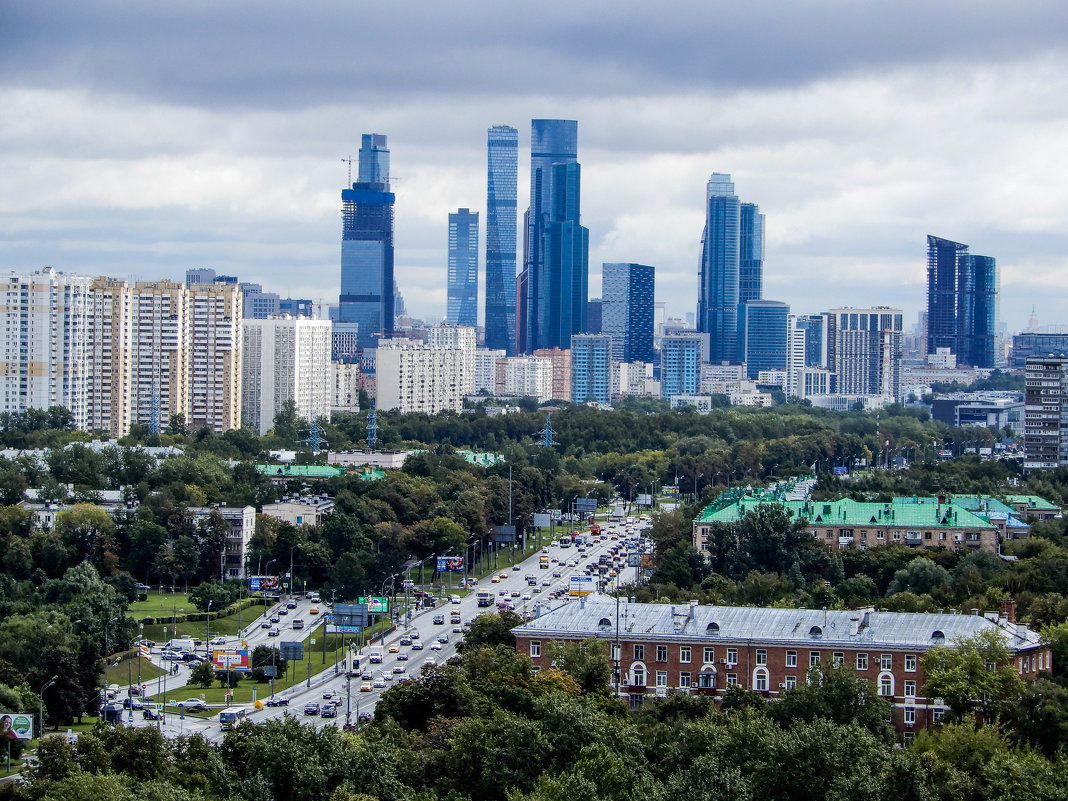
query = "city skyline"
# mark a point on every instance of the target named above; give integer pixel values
(150, 161)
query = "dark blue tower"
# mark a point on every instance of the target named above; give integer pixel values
(501, 210)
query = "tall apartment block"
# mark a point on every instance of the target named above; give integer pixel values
(527, 376)
(1045, 412)
(681, 356)
(591, 365)
(461, 337)
(286, 359)
(462, 290)
(367, 285)
(717, 297)
(415, 377)
(502, 150)
(627, 292)
(561, 363)
(864, 350)
(962, 302)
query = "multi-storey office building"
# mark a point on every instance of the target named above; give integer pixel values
(707, 649)
(501, 209)
(1045, 412)
(962, 302)
(717, 296)
(627, 310)
(1027, 345)
(750, 253)
(762, 335)
(864, 350)
(462, 290)
(286, 359)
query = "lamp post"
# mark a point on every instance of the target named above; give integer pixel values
(40, 701)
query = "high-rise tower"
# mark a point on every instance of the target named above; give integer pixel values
(463, 268)
(627, 310)
(553, 287)
(961, 302)
(501, 209)
(367, 284)
(750, 253)
(717, 300)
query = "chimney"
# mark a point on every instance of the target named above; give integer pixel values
(1008, 610)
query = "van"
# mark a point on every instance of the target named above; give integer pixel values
(181, 644)
(454, 599)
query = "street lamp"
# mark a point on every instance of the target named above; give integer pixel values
(40, 700)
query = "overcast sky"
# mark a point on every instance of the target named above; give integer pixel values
(141, 139)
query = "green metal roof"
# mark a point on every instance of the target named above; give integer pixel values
(300, 470)
(847, 512)
(1033, 502)
(481, 459)
(980, 504)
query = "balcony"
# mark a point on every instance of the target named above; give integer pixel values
(634, 689)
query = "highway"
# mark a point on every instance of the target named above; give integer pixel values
(409, 659)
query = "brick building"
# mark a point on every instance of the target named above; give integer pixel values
(705, 649)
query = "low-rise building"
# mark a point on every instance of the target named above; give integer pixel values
(300, 510)
(242, 525)
(706, 649)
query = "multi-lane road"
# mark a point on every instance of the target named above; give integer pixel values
(408, 660)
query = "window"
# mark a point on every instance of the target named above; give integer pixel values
(908, 737)
(706, 680)
(732, 679)
(837, 659)
(910, 689)
(661, 678)
(684, 654)
(815, 633)
(637, 676)
(886, 685)
(732, 656)
(791, 659)
(761, 656)
(886, 661)
(862, 661)
(639, 652)
(661, 653)
(813, 658)
(615, 652)
(760, 680)
(938, 638)
(937, 715)
(535, 670)
(910, 663)
(910, 715)
(710, 656)
(684, 679)
(991, 666)
(535, 648)
(791, 682)
(712, 629)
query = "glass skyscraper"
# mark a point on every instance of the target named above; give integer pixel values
(501, 209)
(553, 286)
(962, 302)
(627, 310)
(717, 300)
(367, 284)
(463, 268)
(750, 253)
(762, 335)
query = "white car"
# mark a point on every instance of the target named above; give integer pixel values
(435, 646)
(217, 641)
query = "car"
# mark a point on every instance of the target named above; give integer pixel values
(329, 711)
(273, 632)
(314, 610)
(366, 687)
(143, 587)
(526, 595)
(516, 567)
(367, 675)
(394, 649)
(192, 704)
(276, 619)
(443, 638)
(435, 646)
(398, 669)
(547, 583)
(430, 661)
(146, 643)
(191, 657)
(337, 701)
(387, 677)
(417, 646)
(495, 580)
(439, 620)
(545, 550)
(414, 635)
(217, 641)
(298, 623)
(132, 703)
(405, 640)
(151, 713)
(405, 677)
(455, 620)
(515, 593)
(291, 605)
(277, 701)
(557, 574)
(283, 611)
(311, 709)
(503, 576)
(265, 625)
(365, 717)
(327, 695)
(402, 657)
(378, 683)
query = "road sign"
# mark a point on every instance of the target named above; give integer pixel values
(581, 585)
(541, 520)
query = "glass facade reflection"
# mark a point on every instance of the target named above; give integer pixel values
(501, 231)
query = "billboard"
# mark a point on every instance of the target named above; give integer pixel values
(262, 583)
(349, 615)
(541, 520)
(292, 651)
(581, 585)
(503, 534)
(230, 660)
(16, 726)
(645, 499)
(586, 505)
(453, 564)
(376, 604)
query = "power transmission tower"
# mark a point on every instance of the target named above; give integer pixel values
(547, 434)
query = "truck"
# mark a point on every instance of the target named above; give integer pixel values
(485, 598)
(595, 529)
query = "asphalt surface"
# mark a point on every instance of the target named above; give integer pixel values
(355, 698)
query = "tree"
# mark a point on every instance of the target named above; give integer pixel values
(921, 577)
(586, 662)
(489, 630)
(839, 695)
(439, 691)
(202, 674)
(974, 672)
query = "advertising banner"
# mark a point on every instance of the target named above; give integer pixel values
(230, 660)
(262, 583)
(452, 564)
(645, 499)
(349, 615)
(541, 520)
(586, 505)
(376, 604)
(503, 534)
(16, 726)
(292, 651)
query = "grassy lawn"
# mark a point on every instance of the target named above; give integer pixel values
(227, 626)
(161, 605)
(297, 674)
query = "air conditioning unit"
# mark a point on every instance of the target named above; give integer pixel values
(782, 686)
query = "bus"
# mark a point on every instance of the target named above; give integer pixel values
(230, 718)
(485, 598)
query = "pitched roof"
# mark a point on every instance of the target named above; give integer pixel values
(848, 512)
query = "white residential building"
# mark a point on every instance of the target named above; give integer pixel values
(347, 385)
(524, 376)
(414, 377)
(485, 371)
(461, 337)
(286, 358)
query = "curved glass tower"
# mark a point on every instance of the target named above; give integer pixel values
(501, 209)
